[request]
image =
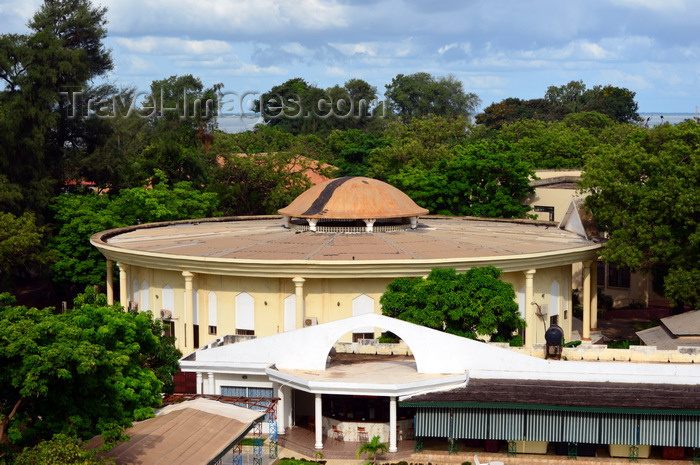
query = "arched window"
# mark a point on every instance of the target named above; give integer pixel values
(360, 305)
(245, 314)
(554, 297)
(521, 303)
(195, 307)
(168, 298)
(145, 297)
(135, 288)
(290, 313)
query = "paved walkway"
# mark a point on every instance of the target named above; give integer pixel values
(299, 443)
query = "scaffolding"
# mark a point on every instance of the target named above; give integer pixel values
(266, 405)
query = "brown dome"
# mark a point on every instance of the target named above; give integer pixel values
(353, 197)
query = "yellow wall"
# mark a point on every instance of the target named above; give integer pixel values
(324, 299)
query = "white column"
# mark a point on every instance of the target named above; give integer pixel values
(123, 283)
(188, 303)
(212, 386)
(586, 336)
(281, 405)
(369, 224)
(318, 419)
(312, 223)
(199, 387)
(109, 284)
(392, 425)
(594, 295)
(299, 300)
(530, 329)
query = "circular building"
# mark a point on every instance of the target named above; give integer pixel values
(330, 256)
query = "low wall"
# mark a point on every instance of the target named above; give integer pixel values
(584, 352)
(595, 352)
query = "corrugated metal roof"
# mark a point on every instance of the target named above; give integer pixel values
(196, 432)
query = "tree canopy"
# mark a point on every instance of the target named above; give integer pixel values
(644, 193)
(91, 370)
(473, 304)
(422, 94)
(79, 216)
(483, 179)
(615, 102)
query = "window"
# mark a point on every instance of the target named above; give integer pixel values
(601, 274)
(245, 312)
(245, 391)
(169, 328)
(245, 332)
(618, 276)
(360, 305)
(357, 336)
(212, 330)
(195, 336)
(544, 209)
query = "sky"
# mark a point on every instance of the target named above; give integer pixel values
(497, 48)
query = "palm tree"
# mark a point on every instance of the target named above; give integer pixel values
(372, 448)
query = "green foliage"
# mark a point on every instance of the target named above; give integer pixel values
(481, 179)
(84, 372)
(472, 304)
(63, 51)
(615, 102)
(421, 142)
(260, 183)
(372, 448)
(422, 94)
(351, 150)
(61, 449)
(298, 107)
(80, 216)
(644, 193)
(21, 244)
(560, 144)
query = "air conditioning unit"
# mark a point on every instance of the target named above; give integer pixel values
(166, 314)
(310, 322)
(133, 305)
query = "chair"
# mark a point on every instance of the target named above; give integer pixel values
(362, 434)
(337, 434)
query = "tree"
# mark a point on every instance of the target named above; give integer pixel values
(483, 178)
(62, 53)
(616, 102)
(84, 372)
(351, 150)
(511, 110)
(372, 448)
(61, 449)
(421, 142)
(557, 144)
(299, 107)
(79, 216)
(21, 245)
(422, 94)
(644, 193)
(472, 304)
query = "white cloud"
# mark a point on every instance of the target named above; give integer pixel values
(172, 45)
(334, 71)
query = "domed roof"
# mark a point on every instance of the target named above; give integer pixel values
(353, 197)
